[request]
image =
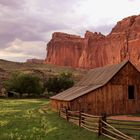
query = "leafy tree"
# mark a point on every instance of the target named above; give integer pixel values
(65, 81)
(24, 83)
(59, 83)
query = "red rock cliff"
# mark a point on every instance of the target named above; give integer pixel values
(95, 49)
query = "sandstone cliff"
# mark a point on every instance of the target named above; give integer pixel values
(95, 49)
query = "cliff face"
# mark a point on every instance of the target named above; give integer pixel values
(65, 50)
(95, 49)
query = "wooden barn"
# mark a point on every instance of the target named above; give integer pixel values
(113, 89)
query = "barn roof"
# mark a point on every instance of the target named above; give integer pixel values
(96, 78)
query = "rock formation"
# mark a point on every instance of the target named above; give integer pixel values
(95, 49)
(35, 61)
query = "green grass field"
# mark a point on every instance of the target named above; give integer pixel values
(25, 120)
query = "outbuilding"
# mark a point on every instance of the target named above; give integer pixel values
(113, 89)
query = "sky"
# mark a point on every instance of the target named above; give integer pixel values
(26, 26)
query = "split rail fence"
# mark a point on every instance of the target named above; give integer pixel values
(113, 129)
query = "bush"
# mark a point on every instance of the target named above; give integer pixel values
(59, 83)
(24, 83)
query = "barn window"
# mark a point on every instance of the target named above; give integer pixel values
(130, 92)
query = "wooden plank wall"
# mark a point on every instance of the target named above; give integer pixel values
(56, 104)
(113, 97)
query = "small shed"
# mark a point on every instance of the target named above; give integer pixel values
(113, 89)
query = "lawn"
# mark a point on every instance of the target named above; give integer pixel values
(25, 120)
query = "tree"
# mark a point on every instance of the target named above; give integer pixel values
(24, 83)
(65, 81)
(59, 83)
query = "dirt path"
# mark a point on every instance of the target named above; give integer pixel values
(124, 117)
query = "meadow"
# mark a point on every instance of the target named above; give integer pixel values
(32, 119)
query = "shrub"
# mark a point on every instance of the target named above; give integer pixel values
(24, 83)
(59, 83)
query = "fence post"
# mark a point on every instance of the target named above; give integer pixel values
(80, 118)
(104, 119)
(100, 127)
(59, 111)
(67, 115)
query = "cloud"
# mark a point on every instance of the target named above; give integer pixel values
(22, 50)
(26, 25)
(30, 21)
(33, 21)
(104, 29)
(12, 3)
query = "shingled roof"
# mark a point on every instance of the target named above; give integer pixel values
(96, 78)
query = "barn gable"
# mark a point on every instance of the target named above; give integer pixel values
(95, 79)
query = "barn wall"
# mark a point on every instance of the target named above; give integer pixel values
(113, 97)
(56, 104)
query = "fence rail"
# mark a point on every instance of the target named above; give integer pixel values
(127, 127)
(114, 132)
(101, 125)
(90, 122)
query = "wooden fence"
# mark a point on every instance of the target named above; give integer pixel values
(101, 125)
(87, 121)
(113, 133)
(131, 128)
